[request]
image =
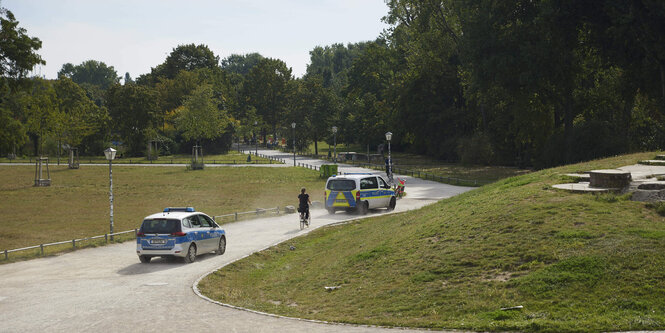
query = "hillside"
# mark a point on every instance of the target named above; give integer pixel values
(575, 262)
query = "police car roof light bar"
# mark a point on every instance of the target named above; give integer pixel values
(358, 173)
(179, 209)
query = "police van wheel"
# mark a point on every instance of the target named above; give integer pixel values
(191, 254)
(145, 259)
(363, 208)
(331, 211)
(221, 248)
(392, 204)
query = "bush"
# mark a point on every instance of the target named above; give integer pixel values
(476, 150)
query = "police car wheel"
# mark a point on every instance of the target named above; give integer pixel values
(191, 254)
(331, 211)
(221, 248)
(145, 259)
(392, 204)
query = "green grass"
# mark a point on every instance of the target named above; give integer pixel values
(575, 262)
(76, 205)
(232, 157)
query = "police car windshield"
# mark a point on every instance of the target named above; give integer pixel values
(341, 185)
(160, 226)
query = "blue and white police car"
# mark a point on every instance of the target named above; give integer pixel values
(179, 232)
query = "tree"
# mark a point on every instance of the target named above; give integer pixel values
(91, 72)
(17, 49)
(79, 116)
(186, 58)
(133, 110)
(241, 64)
(267, 88)
(40, 111)
(313, 109)
(200, 116)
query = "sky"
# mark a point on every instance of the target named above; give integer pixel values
(135, 35)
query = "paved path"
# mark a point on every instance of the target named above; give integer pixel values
(107, 289)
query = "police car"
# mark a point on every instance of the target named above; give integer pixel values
(358, 192)
(179, 232)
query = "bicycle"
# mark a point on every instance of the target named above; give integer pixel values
(305, 221)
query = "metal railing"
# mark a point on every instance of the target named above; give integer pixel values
(256, 213)
(73, 242)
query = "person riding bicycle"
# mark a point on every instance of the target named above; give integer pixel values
(304, 202)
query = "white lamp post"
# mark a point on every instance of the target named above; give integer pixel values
(110, 155)
(256, 142)
(389, 136)
(293, 125)
(334, 130)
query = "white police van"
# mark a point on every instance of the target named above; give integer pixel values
(358, 192)
(179, 232)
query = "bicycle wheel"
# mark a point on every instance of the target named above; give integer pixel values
(302, 222)
(309, 220)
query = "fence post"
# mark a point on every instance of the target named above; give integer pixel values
(236, 214)
(277, 210)
(74, 243)
(106, 238)
(6, 256)
(41, 247)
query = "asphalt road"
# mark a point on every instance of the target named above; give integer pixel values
(107, 289)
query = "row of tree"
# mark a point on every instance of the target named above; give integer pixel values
(525, 82)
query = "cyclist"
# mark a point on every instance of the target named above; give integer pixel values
(304, 203)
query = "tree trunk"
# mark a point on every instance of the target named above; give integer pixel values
(662, 84)
(568, 126)
(316, 146)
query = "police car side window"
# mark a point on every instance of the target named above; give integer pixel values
(383, 184)
(194, 221)
(186, 223)
(208, 219)
(204, 222)
(368, 183)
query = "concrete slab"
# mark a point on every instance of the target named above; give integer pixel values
(581, 187)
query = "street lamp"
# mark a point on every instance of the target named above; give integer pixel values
(110, 155)
(256, 142)
(389, 136)
(293, 125)
(334, 129)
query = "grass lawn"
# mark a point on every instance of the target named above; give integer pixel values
(232, 157)
(575, 262)
(76, 205)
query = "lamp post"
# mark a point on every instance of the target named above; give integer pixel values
(110, 155)
(389, 136)
(334, 130)
(293, 125)
(256, 142)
